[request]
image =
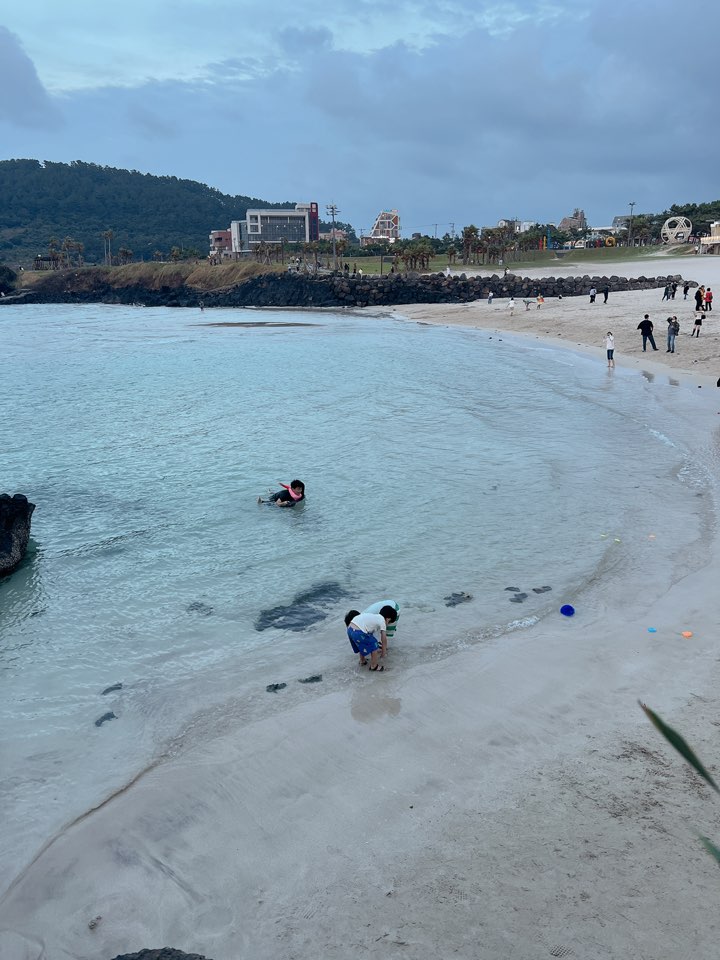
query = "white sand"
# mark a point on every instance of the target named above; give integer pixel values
(508, 803)
(576, 323)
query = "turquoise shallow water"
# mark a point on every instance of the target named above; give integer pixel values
(436, 460)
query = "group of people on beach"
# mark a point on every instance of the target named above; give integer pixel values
(368, 631)
(646, 328)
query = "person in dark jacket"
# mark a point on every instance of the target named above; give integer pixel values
(646, 328)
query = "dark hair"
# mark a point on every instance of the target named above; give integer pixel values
(350, 616)
(390, 613)
(297, 483)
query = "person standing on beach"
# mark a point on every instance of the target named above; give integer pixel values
(708, 299)
(490, 298)
(699, 298)
(672, 331)
(666, 292)
(673, 290)
(646, 328)
(610, 347)
(511, 305)
(593, 294)
(695, 332)
(605, 292)
(686, 288)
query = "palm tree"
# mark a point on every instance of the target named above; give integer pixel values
(469, 241)
(53, 254)
(66, 251)
(107, 237)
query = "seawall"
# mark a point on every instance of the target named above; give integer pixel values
(300, 290)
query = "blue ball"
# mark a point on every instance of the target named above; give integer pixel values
(567, 611)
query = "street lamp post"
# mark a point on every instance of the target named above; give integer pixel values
(333, 211)
(631, 205)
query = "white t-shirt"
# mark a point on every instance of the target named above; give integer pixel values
(370, 623)
(377, 607)
(609, 343)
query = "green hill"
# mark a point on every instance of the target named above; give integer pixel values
(40, 202)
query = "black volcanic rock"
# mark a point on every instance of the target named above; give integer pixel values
(15, 514)
(305, 609)
(164, 953)
(301, 290)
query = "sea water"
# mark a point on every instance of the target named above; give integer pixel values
(436, 461)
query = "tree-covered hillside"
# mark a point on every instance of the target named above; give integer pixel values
(44, 202)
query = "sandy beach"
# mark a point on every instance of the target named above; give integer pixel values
(577, 324)
(509, 802)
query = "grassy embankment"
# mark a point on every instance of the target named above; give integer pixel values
(153, 276)
(202, 276)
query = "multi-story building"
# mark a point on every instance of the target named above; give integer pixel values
(386, 227)
(575, 222)
(220, 244)
(518, 226)
(711, 243)
(274, 226)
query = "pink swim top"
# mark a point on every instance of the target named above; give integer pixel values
(295, 496)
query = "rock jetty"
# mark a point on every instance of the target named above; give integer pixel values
(300, 290)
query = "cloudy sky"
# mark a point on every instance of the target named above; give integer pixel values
(453, 111)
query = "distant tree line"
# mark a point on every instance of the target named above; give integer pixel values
(59, 215)
(64, 212)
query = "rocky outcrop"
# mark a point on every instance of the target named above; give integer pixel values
(164, 953)
(8, 279)
(300, 290)
(15, 514)
(304, 610)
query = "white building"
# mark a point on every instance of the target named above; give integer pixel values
(518, 226)
(273, 226)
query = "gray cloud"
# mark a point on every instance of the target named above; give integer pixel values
(25, 101)
(578, 110)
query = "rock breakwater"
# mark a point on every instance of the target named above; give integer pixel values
(299, 290)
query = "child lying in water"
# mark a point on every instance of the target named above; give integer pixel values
(291, 494)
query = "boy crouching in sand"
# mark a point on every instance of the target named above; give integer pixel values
(367, 633)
